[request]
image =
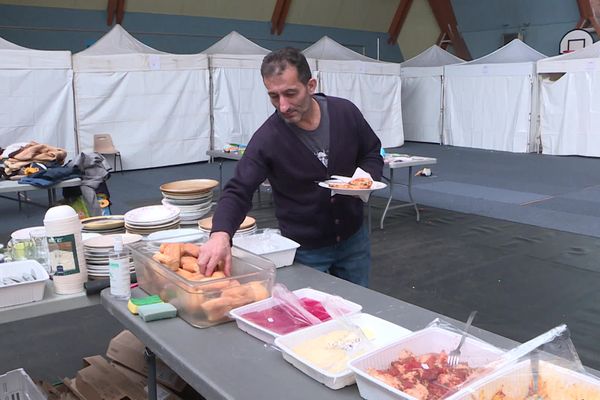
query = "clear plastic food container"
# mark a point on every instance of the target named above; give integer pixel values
(204, 303)
(516, 382)
(429, 340)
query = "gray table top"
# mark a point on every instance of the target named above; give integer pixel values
(223, 154)
(15, 186)
(224, 362)
(416, 161)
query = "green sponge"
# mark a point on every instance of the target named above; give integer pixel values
(135, 302)
(152, 312)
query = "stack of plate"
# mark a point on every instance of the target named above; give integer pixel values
(96, 252)
(193, 197)
(145, 220)
(104, 224)
(248, 226)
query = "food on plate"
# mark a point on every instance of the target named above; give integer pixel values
(213, 299)
(332, 351)
(281, 321)
(425, 377)
(356, 183)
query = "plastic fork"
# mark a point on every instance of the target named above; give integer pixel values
(454, 355)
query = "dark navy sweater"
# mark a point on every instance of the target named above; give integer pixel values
(306, 212)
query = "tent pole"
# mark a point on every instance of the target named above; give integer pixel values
(378, 48)
(442, 111)
(210, 104)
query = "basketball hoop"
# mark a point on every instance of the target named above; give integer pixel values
(574, 40)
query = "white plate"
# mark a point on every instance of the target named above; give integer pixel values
(151, 215)
(23, 234)
(375, 186)
(108, 241)
(187, 196)
(177, 236)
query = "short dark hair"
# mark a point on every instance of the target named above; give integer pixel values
(277, 61)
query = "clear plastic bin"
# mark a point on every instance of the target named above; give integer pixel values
(18, 385)
(204, 303)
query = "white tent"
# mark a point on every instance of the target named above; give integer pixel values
(570, 103)
(239, 101)
(374, 86)
(155, 105)
(36, 97)
(490, 102)
(422, 101)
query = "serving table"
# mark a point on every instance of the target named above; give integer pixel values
(15, 186)
(223, 362)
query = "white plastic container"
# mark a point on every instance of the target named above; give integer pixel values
(429, 340)
(18, 385)
(23, 292)
(267, 335)
(279, 249)
(383, 332)
(63, 229)
(515, 382)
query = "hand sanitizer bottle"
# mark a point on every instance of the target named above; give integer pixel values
(118, 269)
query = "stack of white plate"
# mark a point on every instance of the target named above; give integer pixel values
(193, 198)
(96, 252)
(104, 224)
(247, 227)
(149, 219)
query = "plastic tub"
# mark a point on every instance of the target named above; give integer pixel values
(23, 292)
(379, 331)
(18, 385)
(515, 382)
(429, 340)
(267, 335)
(272, 246)
(204, 303)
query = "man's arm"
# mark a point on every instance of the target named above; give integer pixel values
(369, 149)
(233, 205)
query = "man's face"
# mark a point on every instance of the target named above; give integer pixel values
(290, 97)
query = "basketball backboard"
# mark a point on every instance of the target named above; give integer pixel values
(574, 40)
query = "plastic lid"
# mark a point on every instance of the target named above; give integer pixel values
(60, 213)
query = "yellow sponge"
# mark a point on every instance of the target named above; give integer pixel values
(135, 302)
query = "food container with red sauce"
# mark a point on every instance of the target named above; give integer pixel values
(432, 339)
(266, 320)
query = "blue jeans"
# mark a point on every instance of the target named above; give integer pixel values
(349, 260)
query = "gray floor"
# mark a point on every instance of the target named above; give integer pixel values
(523, 279)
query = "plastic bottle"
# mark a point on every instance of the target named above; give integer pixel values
(118, 269)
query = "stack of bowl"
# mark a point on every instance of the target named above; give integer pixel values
(247, 227)
(193, 198)
(104, 224)
(149, 219)
(97, 250)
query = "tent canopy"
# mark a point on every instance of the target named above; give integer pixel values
(514, 58)
(234, 43)
(119, 51)
(586, 59)
(328, 49)
(17, 57)
(429, 62)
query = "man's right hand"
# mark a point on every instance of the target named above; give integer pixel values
(215, 251)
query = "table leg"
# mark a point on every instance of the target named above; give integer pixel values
(151, 362)
(220, 177)
(387, 206)
(412, 201)
(369, 214)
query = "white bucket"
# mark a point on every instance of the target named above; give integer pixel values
(63, 229)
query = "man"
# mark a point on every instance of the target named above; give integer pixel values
(307, 140)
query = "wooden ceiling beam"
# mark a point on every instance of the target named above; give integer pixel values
(280, 13)
(115, 9)
(444, 15)
(589, 11)
(398, 20)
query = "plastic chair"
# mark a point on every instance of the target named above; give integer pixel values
(103, 144)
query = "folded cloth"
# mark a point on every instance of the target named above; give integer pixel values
(39, 152)
(50, 176)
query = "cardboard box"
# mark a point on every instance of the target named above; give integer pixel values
(128, 350)
(99, 380)
(162, 393)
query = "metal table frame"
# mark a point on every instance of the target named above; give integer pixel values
(16, 187)
(222, 155)
(421, 161)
